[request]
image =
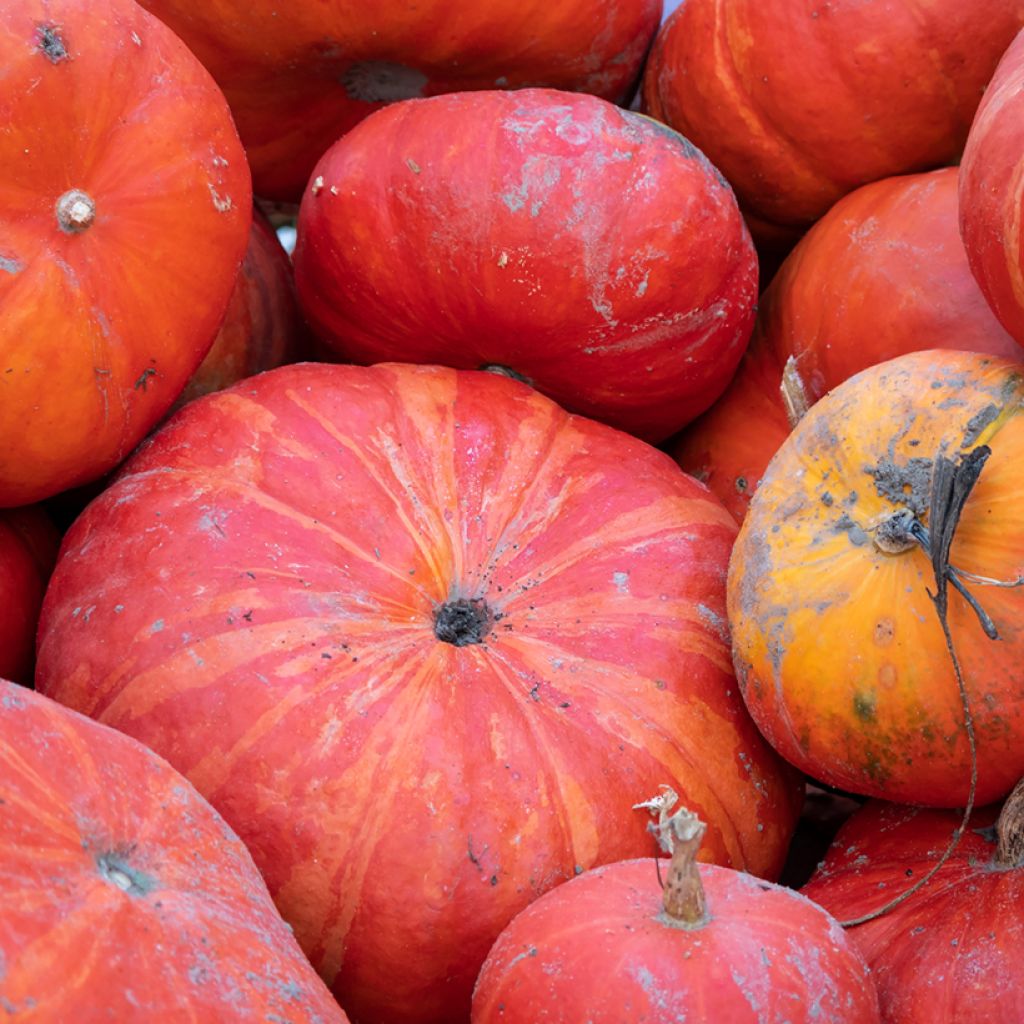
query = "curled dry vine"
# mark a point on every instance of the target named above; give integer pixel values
(951, 486)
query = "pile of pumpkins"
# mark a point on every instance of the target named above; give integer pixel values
(457, 620)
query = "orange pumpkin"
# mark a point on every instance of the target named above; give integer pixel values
(118, 152)
(798, 102)
(301, 74)
(884, 272)
(838, 648)
(990, 191)
(262, 327)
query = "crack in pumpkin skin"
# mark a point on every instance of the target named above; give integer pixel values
(826, 626)
(309, 538)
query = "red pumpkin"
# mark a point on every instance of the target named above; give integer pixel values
(799, 102)
(298, 80)
(837, 645)
(990, 189)
(262, 327)
(125, 897)
(118, 152)
(882, 273)
(715, 946)
(949, 953)
(416, 633)
(593, 253)
(28, 549)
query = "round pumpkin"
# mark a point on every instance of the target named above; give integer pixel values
(419, 635)
(799, 102)
(990, 192)
(28, 550)
(948, 954)
(715, 945)
(262, 327)
(593, 253)
(125, 896)
(118, 151)
(882, 273)
(837, 644)
(300, 79)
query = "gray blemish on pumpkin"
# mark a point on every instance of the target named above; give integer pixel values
(532, 951)
(715, 621)
(621, 581)
(907, 484)
(50, 43)
(381, 81)
(157, 627)
(11, 265)
(856, 534)
(977, 423)
(540, 175)
(661, 997)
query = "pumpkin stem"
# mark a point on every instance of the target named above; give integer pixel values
(952, 483)
(76, 210)
(1010, 830)
(679, 835)
(794, 393)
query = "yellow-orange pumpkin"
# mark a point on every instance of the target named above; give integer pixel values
(838, 649)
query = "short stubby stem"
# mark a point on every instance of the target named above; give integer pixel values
(76, 210)
(893, 534)
(463, 622)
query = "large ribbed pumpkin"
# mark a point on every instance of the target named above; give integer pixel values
(837, 645)
(125, 204)
(948, 954)
(800, 101)
(123, 894)
(882, 273)
(300, 75)
(990, 191)
(28, 549)
(420, 636)
(585, 248)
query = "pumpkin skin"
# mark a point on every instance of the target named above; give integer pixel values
(262, 327)
(298, 83)
(743, 80)
(883, 273)
(103, 321)
(300, 533)
(28, 550)
(594, 253)
(837, 647)
(111, 862)
(949, 953)
(990, 192)
(767, 955)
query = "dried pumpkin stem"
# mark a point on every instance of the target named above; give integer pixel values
(952, 484)
(794, 393)
(679, 835)
(1010, 830)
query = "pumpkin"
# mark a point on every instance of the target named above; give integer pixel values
(124, 895)
(838, 647)
(715, 945)
(262, 327)
(118, 151)
(949, 952)
(28, 549)
(799, 102)
(414, 632)
(297, 81)
(882, 273)
(990, 192)
(594, 253)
